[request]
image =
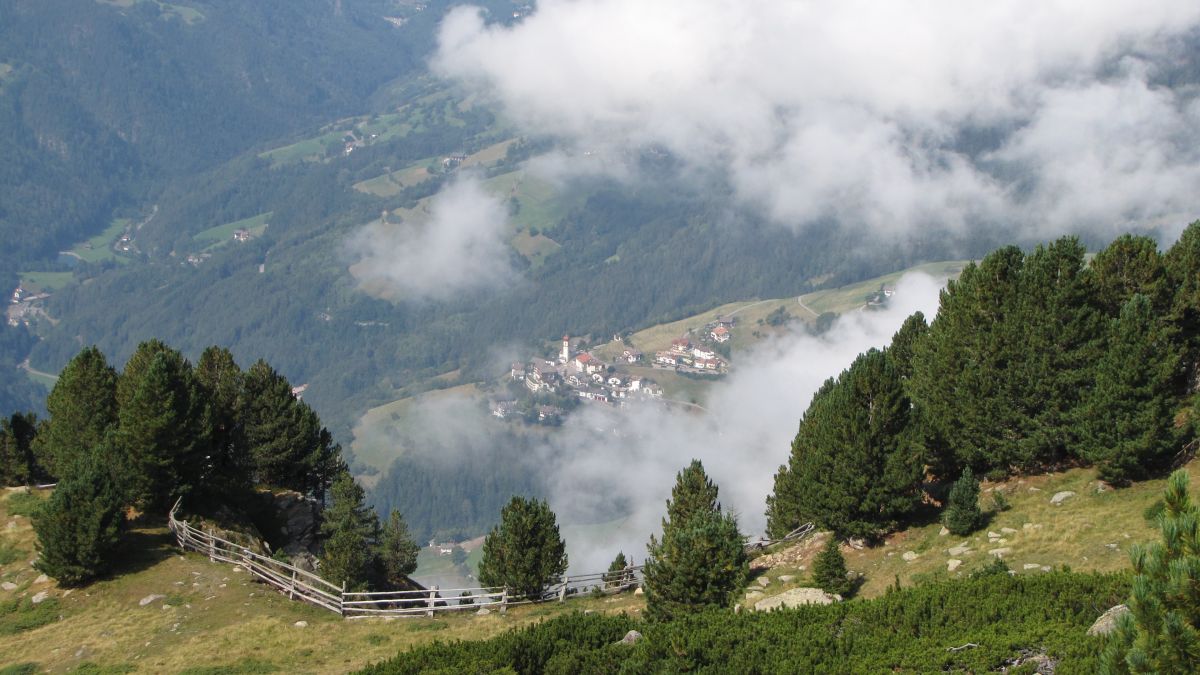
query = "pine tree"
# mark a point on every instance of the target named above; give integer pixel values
(962, 515)
(829, 570)
(856, 467)
(524, 552)
(1161, 633)
(701, 560)
(287, 444)
(161, 433)
(616, 570)
(222, 384)
(1130, 265)
(350, 531)
(18, 463)
(83, 409)
(1182, 261)
(397, 552)
(1128, 423)
(80, 526)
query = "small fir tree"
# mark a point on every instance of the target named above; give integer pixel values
(80, 526)
(524, 552)
(701, 559)
(350, 530)
(18, 462)
(1161, 632)
(397, 552)
(616, 570)
(829, 569)
(962, 515)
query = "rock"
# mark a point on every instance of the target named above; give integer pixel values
(1027, 526)
(299, 516)
(305, 561)
(1107, 622)
(785, 578)
(631, 638)
(8, 586)
(1033, 489)
(639, 591)
(42, 579)
(754, 595)
(910, 556)
(150, 598)
(1045, 568)
(1060, 497)
(857, 543)
(1112, 547)
(1007, 530)
(993, 535)
(483, 611)
(301, 624)
(764, 582)
(737, 609)
(1000, 552)
(39, 597)
(953, 564)
(795, 598)
(961, 549)
(943, 532)
(1030, 566)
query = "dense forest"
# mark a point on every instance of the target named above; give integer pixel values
(1036, 360)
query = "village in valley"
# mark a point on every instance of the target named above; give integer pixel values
(544, 389)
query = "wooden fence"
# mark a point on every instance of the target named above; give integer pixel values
(305, 586)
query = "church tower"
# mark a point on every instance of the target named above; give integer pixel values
(566, 350)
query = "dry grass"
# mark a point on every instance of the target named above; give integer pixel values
(212, 616)
(1091, 531)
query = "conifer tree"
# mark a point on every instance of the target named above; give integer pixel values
(855, 467)
(287, 444)
(616, 569)
(162, 434)
(1182, 262)
(524, 552)
(222, 384)
(350, 531)
(1161, 633)
(962, 515)
(829, 570)
(1128, 423)
(80, 526)
(701, 560)
(18, 462)
(83, 409)
(397, 552)
(1130, 265)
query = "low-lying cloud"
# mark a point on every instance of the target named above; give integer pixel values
(893, 116)
(461, 246)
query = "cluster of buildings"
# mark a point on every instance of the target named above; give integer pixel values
(700, 358)
(582, 374)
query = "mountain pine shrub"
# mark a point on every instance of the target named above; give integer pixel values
(829, 570)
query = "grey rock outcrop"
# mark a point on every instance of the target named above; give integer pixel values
(796, 597)
(1107, 622)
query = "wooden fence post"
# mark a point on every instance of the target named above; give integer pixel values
(432, 600)
(212, 546)
(292, 590)
(341, 600)
(504, 601)
(562, 592)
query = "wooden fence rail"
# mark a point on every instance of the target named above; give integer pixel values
(305, 586)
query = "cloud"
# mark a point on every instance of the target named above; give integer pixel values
(858, 110)
(460, 247)
(604, 457)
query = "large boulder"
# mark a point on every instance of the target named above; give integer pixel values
(796, 597)
(298, 517)
(1107, 622)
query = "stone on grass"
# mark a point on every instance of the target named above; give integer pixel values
(1000, 552)
(952, 564)
(630, 638)
(8, 586)
(40, 597)
(993, 535)
(785, 578)
(150, 598)
(1107, 622)
(639, 591)
(1007, 530)
(764, 581)
(301, 624)
(961, 549)
(943, 532)
(795, 598)
(483, 611)
(754, 595)
(1030, 566)
(910, 556)
(1060, 497)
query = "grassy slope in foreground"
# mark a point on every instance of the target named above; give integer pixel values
(212, 615)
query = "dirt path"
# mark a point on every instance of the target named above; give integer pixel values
(30, 369)
(810, 310)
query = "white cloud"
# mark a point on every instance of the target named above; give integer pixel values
(460, 247)
(851, 108)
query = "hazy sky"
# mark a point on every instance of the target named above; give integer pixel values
(860, 110)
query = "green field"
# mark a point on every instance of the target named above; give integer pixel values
(309, 149)
(390, 184)
(541, 204)
(186, 14)
(855, 295)
(44, 282)
(378, 433)
(223, 234)
(100, 247)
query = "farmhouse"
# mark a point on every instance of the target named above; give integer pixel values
(720, 334)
